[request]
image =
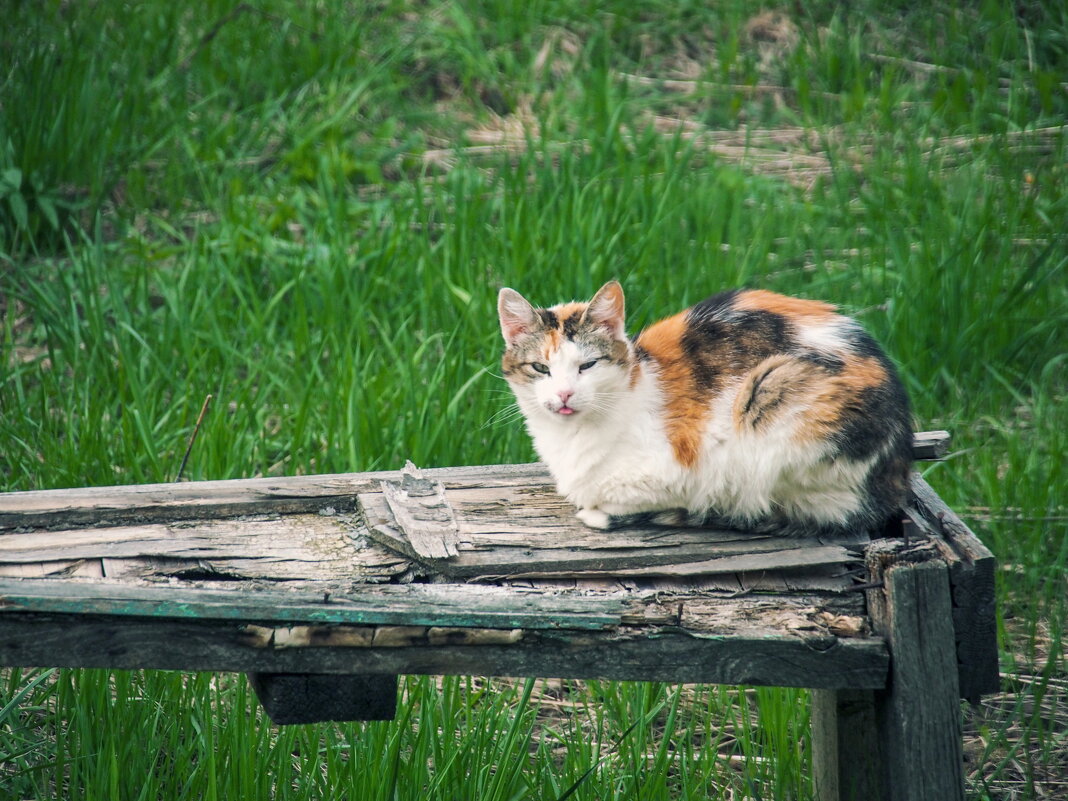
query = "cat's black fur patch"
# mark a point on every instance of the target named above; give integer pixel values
(571, 325)
(548, 318)
(720, 338)
(714, 306)
(857, 436)
(832, 364)
(863, 344)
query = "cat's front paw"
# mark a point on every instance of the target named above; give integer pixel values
(595, 518)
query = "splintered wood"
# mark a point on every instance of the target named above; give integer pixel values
(419, 507)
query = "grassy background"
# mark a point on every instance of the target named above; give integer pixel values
(306, 211)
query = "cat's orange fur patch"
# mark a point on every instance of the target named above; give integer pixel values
(685, 410)
(783, 382)
(566, 311)
(550, 344)
(763, 300)
(772, 385)
(833, 397)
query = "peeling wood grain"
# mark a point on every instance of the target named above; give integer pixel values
(532, 532)
(653, 653)
(256, 636)
(785, 559)
(276, 547)
(60, 568)
(141, 503)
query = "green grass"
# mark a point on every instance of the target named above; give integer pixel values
(295, 208)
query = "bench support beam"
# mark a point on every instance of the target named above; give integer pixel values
(316, 698)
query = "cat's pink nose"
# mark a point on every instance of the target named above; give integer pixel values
(565, 395)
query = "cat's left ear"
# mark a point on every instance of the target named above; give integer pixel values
(607, 309)
(517, 315)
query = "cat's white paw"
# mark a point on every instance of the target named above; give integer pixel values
(595, 518)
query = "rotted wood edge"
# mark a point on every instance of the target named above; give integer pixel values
(917, 715)
(901, 742)
(419, 506)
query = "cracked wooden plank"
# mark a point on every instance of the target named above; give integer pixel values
(281, 495)
(640, 603)
(277, 547)
(531, 531)
(141, 503)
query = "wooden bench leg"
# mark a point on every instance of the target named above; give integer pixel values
(902, 743)
(918, 715)
(845, 746)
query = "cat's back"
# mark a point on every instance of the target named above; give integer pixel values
(732, 331)
(755, 360)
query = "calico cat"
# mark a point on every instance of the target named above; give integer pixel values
(750, 410)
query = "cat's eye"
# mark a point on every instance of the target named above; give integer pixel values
(587, 365)
(540, 368)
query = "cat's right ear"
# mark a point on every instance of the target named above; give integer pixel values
(517, 315)
(607, 309)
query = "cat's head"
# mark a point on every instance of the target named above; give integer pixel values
(568, 362)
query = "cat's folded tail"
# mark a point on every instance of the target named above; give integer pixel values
(683, 518)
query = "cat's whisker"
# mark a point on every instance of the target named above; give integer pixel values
(503, 416)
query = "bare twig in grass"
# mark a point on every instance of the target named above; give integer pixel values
(692, 86)
(926, 68)
(193, 437)
(915, 66)
(1004, 749)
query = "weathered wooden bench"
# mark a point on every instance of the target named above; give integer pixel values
(326, 588)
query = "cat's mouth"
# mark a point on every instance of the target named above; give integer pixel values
(565, 410)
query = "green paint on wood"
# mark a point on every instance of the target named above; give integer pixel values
(372, 606)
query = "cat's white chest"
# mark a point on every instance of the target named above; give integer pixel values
(620, 459)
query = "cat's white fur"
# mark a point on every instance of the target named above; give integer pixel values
(612, 456)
